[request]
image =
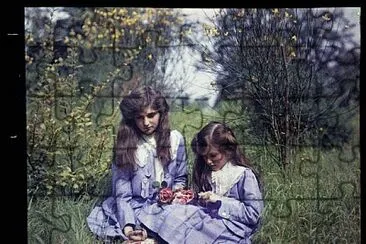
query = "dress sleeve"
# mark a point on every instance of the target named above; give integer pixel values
(122, 191)
(181, 176)
(248, 207)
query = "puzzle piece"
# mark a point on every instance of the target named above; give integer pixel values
(57, 222)
(195, 115)
(310, 191)
(345, 156)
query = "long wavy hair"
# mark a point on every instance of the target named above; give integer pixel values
(128, 132)
(215, 134)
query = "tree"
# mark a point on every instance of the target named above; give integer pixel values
(291, 70)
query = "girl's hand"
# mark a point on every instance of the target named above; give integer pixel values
(208, 196)
(135, 235)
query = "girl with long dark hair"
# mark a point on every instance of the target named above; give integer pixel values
(229, 205)
(148, 154)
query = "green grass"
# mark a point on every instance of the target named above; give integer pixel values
(317, 202)
(324, 205)
(323, 209)
(59, 220)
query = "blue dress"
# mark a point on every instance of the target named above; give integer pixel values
(134, 190)
(232, 219)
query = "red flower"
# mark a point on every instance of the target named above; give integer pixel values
(166, 195)
(180, 196)
(183, 196)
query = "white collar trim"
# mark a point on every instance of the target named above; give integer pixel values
(148, 144)
(225, 178)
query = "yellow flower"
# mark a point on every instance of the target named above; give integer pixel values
(275, 11)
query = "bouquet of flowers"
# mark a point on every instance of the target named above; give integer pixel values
(180, 196)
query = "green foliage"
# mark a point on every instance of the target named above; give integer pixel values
(67, 149)
(128, 38)
(76, 69)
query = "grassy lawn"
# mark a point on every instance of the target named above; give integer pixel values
(318, 201)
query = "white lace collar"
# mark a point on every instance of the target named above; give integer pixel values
(147, 145)
(223, 179)
(149, 140)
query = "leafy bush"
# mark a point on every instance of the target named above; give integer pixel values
(68, 147)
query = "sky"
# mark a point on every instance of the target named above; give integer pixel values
(200, 84)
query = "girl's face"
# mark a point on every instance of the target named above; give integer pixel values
(215, 159)
(148, 120)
